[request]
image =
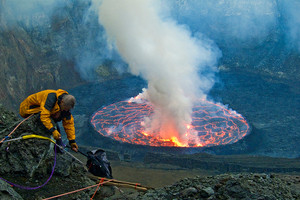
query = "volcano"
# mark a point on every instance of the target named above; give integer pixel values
(212, 124)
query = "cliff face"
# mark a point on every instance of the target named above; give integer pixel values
(25, 68)
(260, 37)
(30, 57)
(269, 58)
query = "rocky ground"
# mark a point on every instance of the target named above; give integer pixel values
(29, 163)
(230, 186)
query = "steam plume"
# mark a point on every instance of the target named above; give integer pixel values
(165, 54)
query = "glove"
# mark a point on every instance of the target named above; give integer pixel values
(74, 146)
(56, 135)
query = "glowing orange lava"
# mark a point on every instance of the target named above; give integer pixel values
(213, 124)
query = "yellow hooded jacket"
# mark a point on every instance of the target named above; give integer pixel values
(47, 103)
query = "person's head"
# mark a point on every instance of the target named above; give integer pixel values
(68, 102)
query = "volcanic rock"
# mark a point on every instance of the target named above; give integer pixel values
(205, 192)
(188, 192)
(6, 192)
(230, 186)
(29, 163)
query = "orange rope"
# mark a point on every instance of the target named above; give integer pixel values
(75, 191)
(16, 127)
(100, 183)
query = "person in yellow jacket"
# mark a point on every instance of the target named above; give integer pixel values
(55, 105)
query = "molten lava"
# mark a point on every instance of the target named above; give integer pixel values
(213, 124)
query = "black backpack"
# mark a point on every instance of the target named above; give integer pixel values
(98, 164)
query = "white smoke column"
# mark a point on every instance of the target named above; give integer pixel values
(164, 54)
